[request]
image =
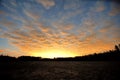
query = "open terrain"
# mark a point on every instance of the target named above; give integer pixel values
(59, 70)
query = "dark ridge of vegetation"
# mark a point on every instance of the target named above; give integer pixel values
(7, 58)
(112, 55)
(28, 58)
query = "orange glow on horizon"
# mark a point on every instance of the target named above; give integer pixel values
(47, 52)
(53, 53)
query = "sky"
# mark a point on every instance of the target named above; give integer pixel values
(58, 28)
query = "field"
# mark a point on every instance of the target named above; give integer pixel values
(60, 70)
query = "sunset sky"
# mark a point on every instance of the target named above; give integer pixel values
(58, 28)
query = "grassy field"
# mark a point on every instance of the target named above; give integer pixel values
(59, 70)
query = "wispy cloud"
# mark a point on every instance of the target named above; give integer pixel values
(13, 53)
(72, 4)
(68, 15)
(1, 51)
(8, 24)
(115, 10)
(1, 12)
(46, 3)
(10, 6)
(99, 6)
(32, 15)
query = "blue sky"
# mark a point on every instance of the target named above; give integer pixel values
(30, 26)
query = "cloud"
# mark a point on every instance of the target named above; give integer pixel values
(111, 31)
(40, 37)
(32, 15)
(89, 24)
(46, 3)
(14, 3)
(69, 4)
(99, 6)
(68, 15)
(115, 10)
(13, 53)
(1, 51)
(91, 33)
(1, 12)
(9, 6)
(63, 26)
(8, 24)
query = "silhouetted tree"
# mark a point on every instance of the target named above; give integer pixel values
(117, 48)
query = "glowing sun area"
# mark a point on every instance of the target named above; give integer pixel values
(53, 53)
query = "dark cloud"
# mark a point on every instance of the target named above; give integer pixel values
(115, 1)
(115, 10)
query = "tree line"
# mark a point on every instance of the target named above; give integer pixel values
(111, 55)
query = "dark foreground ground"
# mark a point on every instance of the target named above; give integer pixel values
(59, 70)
